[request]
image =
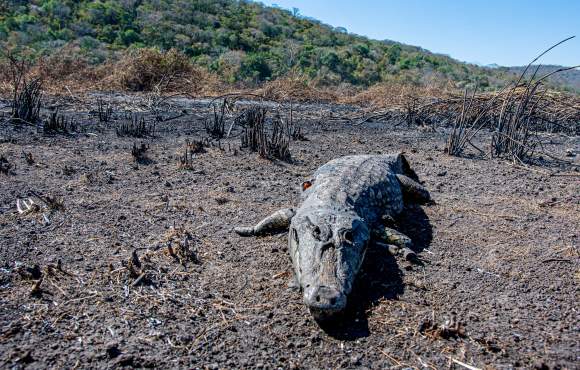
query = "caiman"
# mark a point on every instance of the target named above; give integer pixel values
(346, 204)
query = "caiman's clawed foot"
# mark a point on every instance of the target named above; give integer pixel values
(395, 242)
(277, 222)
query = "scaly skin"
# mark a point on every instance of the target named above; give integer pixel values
(342, 208)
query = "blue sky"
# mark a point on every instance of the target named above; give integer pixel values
(508, 32)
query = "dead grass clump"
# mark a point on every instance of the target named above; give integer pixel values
(177, 245)
(47, 207)
(448, 330)
(25, 272)
(5, 77)
(514, 137)
(196, 146)
(279, 144)
(297, 134)
(395, 95)
(146, 69)
(53, 203)
(296, 88)
(62, 65)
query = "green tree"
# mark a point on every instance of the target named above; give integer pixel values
(255, 66)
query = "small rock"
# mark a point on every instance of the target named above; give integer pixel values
(113, 350)
(355, 360)
(125, 360)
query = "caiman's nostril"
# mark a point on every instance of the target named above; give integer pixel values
(325, 298)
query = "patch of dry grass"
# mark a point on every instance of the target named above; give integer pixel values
(395, 95)
(296, 88)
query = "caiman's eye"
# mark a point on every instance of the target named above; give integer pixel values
(316, 232)
(347, 236)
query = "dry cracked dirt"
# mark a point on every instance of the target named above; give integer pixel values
(136, 264)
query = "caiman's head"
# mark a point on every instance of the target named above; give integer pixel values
(327, 248)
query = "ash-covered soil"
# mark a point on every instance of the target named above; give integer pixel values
(497, 288)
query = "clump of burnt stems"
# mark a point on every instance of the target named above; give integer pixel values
(26, 95)
(28, 158)
(6, 167)
(514, 126)
(297, 134)
(268, 136)
(136, 127)
(190, 148)
(139, 153)
(216, 125)
(104, 111)
(58, 124)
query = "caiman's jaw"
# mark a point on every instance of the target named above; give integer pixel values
(327, 251)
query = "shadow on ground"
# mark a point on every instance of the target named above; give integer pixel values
(380, 278)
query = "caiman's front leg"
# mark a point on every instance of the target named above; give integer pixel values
(396, 242)
(276, 222)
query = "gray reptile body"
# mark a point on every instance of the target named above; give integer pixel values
(364, 184)
(343, 206)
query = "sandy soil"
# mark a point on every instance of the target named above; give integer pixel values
(498, 287)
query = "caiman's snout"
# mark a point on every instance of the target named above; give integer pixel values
(324, 302)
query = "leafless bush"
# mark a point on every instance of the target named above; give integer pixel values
(136, 127)
(58, 124)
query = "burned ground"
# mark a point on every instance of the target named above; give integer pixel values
(497, 287)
